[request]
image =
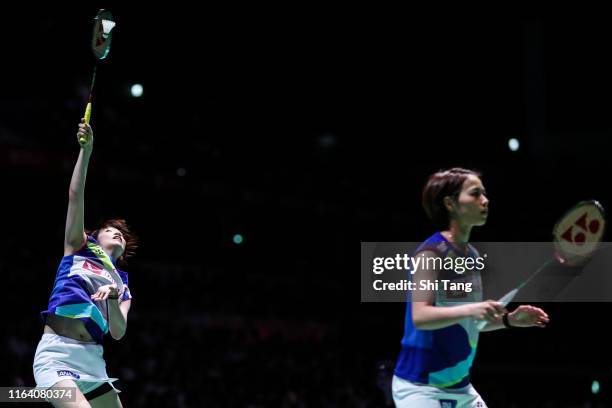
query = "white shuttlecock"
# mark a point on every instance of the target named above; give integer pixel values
(107, 26)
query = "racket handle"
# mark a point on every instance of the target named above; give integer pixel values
(481, 324)
(504, 302)
(87, 117)
(87, 112)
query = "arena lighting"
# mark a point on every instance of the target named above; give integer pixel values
(136, 90)
(513, 144)
(595, 387)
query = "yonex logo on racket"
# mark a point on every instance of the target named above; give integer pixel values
(583, 226)
(579, 231)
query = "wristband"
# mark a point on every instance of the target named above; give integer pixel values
(506, 322)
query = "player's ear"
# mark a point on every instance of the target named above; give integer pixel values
(449, 203)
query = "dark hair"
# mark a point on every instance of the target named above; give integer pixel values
(439, 185)
(131, 240)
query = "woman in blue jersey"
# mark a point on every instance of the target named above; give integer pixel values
(90, 298)
(441, 333)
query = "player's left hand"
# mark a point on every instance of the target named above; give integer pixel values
(106, 291)
(528, 316)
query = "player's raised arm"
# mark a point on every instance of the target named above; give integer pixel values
(75, 220)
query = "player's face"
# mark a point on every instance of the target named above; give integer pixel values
(472, 206)
(112, 238)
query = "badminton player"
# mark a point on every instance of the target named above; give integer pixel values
(90, 298)
(441, 334)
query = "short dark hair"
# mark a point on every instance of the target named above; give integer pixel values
(441, 184)
(131, 240)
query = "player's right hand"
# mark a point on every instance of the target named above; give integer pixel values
(489, 310)
(85, 135)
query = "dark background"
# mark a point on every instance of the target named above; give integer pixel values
(306, 131)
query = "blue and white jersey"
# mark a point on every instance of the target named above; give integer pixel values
(442, 357)
(78, 277)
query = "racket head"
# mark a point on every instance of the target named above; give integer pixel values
(577, 234)
(102, 34)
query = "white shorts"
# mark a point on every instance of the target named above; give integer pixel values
(59, 358)
(410, 395)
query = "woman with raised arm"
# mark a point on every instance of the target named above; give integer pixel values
(90, 298)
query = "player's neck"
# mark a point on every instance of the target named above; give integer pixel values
(111, 252)
(457, 234)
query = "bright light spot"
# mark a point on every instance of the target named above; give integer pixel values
(595, 387)
(181, 172)
(238, 239)
(136, 90)
(513, 144)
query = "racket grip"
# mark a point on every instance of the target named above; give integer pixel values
(481, 324)
(87, 117)
(504, 302)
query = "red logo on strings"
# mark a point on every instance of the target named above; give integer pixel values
(584, 227)
(99, 36)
